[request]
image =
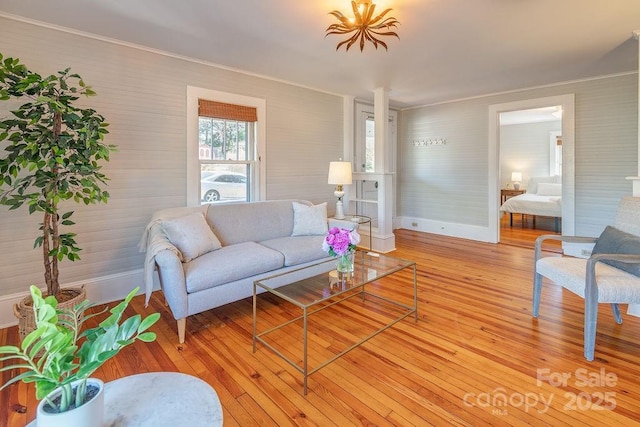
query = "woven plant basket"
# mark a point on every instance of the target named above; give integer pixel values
(24, 309)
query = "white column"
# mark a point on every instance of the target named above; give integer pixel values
(384, 240)
(634, 309)
(636, 179)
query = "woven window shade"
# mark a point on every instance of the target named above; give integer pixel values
(220, 110)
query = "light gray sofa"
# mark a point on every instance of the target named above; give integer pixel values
(255, 242)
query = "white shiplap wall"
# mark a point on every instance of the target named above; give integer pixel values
(525, 148)
(142, 94)
(446, 183)
(446, 187)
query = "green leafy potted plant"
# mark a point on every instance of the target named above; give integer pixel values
(69, 357)
(52, 154)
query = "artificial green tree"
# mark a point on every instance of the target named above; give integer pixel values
(52, 150)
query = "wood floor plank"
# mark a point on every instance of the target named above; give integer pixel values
(473, 358)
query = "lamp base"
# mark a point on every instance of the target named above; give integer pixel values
(339, 210)
(516, 185)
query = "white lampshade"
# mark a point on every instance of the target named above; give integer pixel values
(516, 176)
(339, 173)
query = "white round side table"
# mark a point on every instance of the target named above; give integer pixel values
(160, 399)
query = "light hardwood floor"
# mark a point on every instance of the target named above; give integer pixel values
(476, 356)
(523, 232)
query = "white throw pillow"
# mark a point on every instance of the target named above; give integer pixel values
(309, 220)
(548, 189)
(192, 235)
(532, 184)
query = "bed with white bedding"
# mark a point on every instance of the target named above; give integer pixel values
(543, 198)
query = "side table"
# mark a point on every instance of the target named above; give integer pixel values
(360, 220)
(160, 399)
(505, 193)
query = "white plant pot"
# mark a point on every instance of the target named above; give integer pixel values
(91, 414)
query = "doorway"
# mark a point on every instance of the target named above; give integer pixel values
(527, 157)
(497, 180)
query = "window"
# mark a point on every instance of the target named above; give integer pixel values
(555, 153)
(558, 163)
(368, 165)
(224, 141)
(226, 151)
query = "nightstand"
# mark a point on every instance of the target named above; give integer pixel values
(505, 193)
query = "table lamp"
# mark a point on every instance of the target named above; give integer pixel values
(516, 177)
(339, 175)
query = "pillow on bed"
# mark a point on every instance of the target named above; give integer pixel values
(549, 189)
(532, 184)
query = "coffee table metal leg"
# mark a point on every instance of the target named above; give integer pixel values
(304, 349)
(254, 316)
(415, 292)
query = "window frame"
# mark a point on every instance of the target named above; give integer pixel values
(258, 173)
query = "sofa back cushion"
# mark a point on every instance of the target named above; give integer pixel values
(252, 221)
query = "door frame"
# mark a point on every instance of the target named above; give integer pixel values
(567, 102)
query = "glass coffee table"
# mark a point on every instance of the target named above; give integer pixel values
(317, 287)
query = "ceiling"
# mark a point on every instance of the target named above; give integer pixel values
(448, 49)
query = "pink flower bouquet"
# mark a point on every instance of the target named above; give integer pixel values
(340, 241)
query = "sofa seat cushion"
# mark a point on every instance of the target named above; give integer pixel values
(614, 285)
(297, 249)
(230, 263)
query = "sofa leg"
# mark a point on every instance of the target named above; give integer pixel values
(182, 326)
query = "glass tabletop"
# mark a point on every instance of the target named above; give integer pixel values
(314, 284)
(359, 219)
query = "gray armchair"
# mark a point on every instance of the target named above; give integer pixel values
(595, 279)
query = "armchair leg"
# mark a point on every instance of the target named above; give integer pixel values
(537, 288)
(616, 313)
(590, 322)
(182, 327)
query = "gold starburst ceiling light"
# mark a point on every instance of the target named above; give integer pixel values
(364, 26)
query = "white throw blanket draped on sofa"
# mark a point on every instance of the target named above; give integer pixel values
(153, 241)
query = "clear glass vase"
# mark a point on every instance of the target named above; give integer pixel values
(345, 262)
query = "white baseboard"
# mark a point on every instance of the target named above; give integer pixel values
(100, 290)
(633, 310)
(463, 231)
